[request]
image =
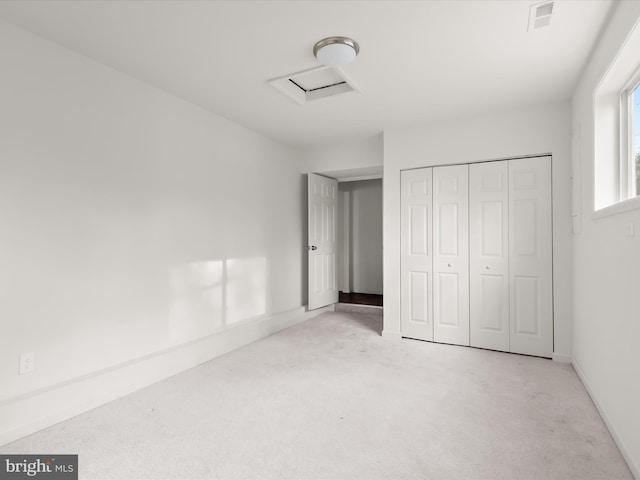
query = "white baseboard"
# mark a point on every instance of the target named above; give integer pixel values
(31, 412)
(633, 466)
(562, 357)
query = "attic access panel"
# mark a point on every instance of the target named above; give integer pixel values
(314, 84)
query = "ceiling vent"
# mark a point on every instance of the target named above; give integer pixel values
(540, 15)
(314, 84)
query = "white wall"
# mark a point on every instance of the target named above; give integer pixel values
(355, 156)
(606, 268)
(536, 130)
(344, 238)
(133, 224)
(365, 235)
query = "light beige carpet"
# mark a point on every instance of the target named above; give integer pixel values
(331, 399)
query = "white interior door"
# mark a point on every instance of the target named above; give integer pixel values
(451, 254)
(489, 255)
(416, 305)
(322, 243)
(530, 245)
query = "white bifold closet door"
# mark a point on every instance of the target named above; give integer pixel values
(510, 265)
(489, 255)
(476, 255)
(451, 254)
(530, 256)
(416, 305)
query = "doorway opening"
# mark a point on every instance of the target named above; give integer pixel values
(360, 242)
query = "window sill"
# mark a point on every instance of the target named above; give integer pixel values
(620, 207)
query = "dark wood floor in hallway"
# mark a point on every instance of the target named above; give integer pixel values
(361, 299)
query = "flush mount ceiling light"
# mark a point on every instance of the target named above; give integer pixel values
(336, 50)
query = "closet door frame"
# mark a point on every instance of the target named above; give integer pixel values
(527, 339)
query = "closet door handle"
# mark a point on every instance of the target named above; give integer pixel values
(312, 247)
(449, 265)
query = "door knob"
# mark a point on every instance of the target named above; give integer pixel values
(312, 247)
(487, 267)
(448, 264)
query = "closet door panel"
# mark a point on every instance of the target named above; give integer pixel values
(530, 233)
(416, 309)
(448, 299)
(451, 255)
(489, 255)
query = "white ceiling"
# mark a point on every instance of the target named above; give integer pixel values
(419, 60)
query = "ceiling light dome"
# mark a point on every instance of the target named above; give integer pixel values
(336, 50)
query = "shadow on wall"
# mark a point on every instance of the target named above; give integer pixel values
(209, 296)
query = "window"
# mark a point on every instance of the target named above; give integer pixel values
(630, 139)
(616, 167)
(635, 139)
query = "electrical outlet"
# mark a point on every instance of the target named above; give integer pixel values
(27, 363)
(628, 229)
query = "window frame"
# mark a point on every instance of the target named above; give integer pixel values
(611, 167)
(628, 188)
